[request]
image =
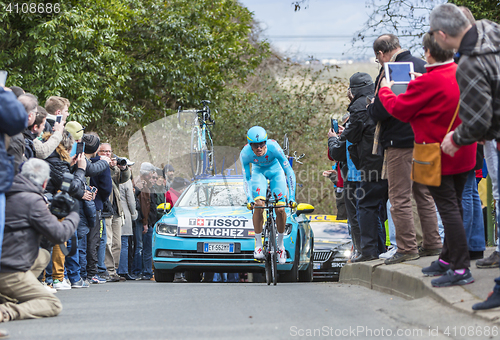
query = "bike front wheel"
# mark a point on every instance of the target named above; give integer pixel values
(274, 252)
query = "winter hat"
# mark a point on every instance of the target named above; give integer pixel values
(75, 129)
(179, 183)
(147, 168)
(91, 143)
(360, 79)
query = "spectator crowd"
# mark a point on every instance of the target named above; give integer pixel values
(72, 213)
(443, 125)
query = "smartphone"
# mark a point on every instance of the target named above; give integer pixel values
(80, 147)
(93, 190)
(3, 77)
(59, 119)
(335, 125)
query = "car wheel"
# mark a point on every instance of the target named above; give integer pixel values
(193, 276)
(293, 274)
(163, 275)
(307, 275)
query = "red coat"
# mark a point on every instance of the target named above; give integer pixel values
(428, 105)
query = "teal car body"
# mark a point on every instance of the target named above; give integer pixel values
(209, 229)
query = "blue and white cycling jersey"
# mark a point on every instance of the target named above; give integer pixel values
(272, 166)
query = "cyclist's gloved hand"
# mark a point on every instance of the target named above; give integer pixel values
(292, 204)
(250, 205)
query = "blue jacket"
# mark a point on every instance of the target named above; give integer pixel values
(13, 120)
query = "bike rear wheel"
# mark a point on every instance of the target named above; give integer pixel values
(196, 154)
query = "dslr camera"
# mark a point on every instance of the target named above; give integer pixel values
(62, 203)
(120, 161)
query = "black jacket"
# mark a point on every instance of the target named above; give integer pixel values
(27, 218)
(58, 167)
(360, 132)
(29, 151)
(103, 183)
(394, 132)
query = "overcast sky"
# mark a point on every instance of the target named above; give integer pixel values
(324, 29)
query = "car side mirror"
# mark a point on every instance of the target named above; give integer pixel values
(304, 208)
(163, 208)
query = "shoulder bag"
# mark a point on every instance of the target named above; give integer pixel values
(426, 165)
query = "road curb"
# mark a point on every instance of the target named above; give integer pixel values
(406, 280)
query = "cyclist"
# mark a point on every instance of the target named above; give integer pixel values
(268, 163)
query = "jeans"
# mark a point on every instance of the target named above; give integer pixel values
(473, 214)
(2, 219)
(492, 160)
(72, 265)
(137, 263)
(101, 267)
(351, 197)
(497, 280)
(123, 264)
(147, 252)
(86, 222)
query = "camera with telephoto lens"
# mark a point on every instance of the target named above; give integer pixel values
(62, 202)
(120, 161)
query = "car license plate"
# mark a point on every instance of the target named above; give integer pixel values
(316, 265)
(218, 247)
(338, 264)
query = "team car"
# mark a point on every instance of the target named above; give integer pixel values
(209, 229)
(332, 246)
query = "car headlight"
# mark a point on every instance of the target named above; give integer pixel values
(166, 229)
(288, 228)
(345, 251)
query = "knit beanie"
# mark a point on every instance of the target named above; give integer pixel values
(91, 143)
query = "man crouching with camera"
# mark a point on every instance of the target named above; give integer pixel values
(27, 219)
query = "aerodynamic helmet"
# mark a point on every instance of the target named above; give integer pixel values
(256, 134)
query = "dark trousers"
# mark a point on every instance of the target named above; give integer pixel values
(448, 199)
(93, 239)
(351, 205)
(373, 196)
(339, 199)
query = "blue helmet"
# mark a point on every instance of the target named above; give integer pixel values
(256, 134)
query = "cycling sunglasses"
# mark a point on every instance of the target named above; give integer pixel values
(258, 145)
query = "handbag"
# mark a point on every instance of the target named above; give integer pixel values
(426, 165)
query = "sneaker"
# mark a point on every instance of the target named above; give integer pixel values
(80, 284)
(492, 301)
(49, 288)
(258, 253)
(491, 261)
(281, 255)
(363, 258)
(97, 279)
(437, 268)
(389, 253)
(400, 257)
(180, 279)
(146, 277)
(113, 278)
(429, 252)
(61, 285)
(453, 279)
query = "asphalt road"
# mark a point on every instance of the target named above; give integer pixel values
(149, 310)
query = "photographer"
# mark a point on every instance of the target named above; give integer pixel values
(27, 219)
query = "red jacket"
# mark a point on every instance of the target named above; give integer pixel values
(428, 105)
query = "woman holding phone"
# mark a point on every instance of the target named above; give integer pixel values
(429, 105)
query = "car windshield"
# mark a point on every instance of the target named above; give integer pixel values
(214, 194)
(330, 231)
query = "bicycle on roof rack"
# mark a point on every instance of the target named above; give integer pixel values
(202, 146)
(286, 151)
